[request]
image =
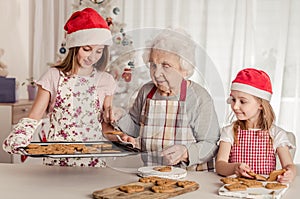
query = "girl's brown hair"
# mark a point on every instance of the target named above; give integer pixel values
(266, 119)
(67, 66)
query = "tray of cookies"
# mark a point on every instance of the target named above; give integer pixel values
(75, 149)
(148, 188)
(260, 186)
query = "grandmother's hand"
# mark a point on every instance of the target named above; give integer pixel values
(175, 154)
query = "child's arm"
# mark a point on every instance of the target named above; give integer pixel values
(21, 134)
(226, 169)
(40, 104)
(286, 163)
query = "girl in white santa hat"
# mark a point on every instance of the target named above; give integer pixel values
(252, 142)
(74, 92)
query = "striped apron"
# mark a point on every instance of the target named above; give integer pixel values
(254, 148)
(164, 123)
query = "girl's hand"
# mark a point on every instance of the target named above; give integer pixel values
(286, 177)
(242, 169)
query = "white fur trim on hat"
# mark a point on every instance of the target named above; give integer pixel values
(251, 90)
(94, 36)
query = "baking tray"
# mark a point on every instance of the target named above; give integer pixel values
(116, 150)
(261, 192)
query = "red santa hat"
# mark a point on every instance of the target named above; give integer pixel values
(87, 27)
(254, 82)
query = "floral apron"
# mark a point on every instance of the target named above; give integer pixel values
(75, 117)
(254, 148)
(164, 123)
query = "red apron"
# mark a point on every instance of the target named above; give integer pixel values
(254, 148)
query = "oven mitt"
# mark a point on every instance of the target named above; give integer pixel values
(21, 135)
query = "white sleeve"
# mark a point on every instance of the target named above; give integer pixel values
(227, 135)
(280, 138)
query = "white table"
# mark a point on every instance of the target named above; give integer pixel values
(39, 181)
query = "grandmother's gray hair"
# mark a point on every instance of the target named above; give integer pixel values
(175, 41)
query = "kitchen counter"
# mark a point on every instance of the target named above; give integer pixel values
(39, 181)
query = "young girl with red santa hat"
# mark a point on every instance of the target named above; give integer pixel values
(74, 92)
(251, 143)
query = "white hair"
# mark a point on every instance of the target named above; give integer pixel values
(175, 41)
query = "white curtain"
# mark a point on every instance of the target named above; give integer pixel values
(47, 19)
(236, 34)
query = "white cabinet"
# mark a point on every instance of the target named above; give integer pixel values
(10, 114)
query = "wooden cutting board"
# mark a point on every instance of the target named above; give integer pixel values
(114, 192)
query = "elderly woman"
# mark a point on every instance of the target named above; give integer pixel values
(172, 119)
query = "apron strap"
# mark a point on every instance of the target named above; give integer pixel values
(182, 91)
(152, 92)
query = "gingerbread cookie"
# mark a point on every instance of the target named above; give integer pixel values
(274, 174)
(275, 186)
(163, 189)
(35, 151)
(236, 187)
(253, 184)
(114, 132)
(229, 180)
(163, 169)
(131, 188)
(186, 184)
(165, 182)
(257, 176)
(260, 178)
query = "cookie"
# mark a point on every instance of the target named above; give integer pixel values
(243, 179)
(260, 178)
(165, 182)
(229, 180)
(275, 186)
(186, 184)
(35, 151)
(149, 179)
(163, 169)
(114, 132)
(90, 149)
(131, 188)
(236, 187)
(257, 176)
(253, 184)
(163, 189)
(78, 147)
(274, 174)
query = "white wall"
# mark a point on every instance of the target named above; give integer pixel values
(14, 39)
